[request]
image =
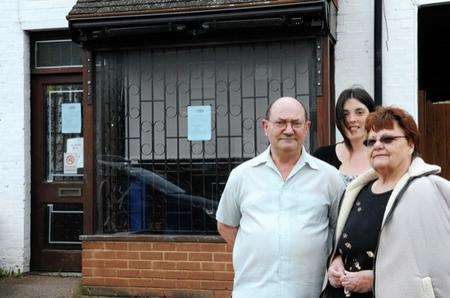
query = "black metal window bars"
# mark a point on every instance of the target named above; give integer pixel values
(150, 177)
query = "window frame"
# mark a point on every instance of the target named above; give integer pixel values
(48, 36)
(319, 98)
(35, 42)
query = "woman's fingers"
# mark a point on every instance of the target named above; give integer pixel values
(349, 285)
(335, 272)
(334, 278)
(347, 280)
(359, 282)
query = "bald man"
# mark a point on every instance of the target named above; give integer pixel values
(278, 211)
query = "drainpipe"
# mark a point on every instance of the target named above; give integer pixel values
(378, 61)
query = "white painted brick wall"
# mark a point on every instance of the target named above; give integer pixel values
(17, 17)
(14, 170)
(400, 61)
(354, 46)
(354, 49)
(44, 14)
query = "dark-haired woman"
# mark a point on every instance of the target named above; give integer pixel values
(349, 156)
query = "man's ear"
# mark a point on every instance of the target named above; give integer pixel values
(307, 125)
(264, 125)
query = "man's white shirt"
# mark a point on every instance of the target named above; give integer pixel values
(284, 234)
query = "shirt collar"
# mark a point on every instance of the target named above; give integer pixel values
(305, 158)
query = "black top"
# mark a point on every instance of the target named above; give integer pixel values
(359, 237)
(328, 154)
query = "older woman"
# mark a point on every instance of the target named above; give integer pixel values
(394, 219)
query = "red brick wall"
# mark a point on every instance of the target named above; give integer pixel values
(156, 269)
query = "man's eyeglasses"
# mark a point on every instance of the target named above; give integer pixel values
(281, 124)
(385, 140)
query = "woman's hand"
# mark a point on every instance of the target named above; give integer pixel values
(336, 272)
(358, 282)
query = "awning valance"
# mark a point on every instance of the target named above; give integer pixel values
(94, 19)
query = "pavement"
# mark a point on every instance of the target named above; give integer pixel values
(38, 285)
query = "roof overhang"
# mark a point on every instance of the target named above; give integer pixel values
(317, 15)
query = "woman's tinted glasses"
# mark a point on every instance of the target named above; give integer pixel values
(384, 139)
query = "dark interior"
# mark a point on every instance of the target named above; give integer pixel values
(433, 51)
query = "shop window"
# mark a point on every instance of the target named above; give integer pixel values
(152, 177)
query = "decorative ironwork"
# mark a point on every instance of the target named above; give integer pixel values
(150, 177)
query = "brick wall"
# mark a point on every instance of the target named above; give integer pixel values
(157, 269)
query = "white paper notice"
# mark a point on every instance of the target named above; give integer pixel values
(71, 117)
(70, 163)
(199, 123)
(75, 145)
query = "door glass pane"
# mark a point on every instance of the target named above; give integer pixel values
(65, 225)
(64, 133)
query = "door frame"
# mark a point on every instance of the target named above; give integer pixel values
(55, 259)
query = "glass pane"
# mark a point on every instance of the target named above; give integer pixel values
(64, 133)
(57, 53)
(65, 224)
(150, 176)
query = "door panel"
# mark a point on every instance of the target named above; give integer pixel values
(58, 184)
(435, 130)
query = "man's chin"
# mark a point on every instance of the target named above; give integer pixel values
(290, 147)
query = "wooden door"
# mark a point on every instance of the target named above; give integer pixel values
(58, 182)
(434, 124)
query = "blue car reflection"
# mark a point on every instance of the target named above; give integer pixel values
(141, 184)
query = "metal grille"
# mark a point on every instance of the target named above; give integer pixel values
(150, 177)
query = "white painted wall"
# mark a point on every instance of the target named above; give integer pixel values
(354, 46)
(354, 49)
(400, 61)
(16, 17)
(44, 14)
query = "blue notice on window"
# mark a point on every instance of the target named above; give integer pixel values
(71, 118)
(199, 123)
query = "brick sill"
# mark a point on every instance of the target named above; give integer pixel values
(131, 237)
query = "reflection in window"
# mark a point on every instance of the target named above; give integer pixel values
(150, 177)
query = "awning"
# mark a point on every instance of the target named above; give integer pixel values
(91, 20)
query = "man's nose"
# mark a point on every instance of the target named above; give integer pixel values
(289, 129)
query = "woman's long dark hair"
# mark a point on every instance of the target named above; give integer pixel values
(360, 95)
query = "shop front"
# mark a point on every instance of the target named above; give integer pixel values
(173, 96)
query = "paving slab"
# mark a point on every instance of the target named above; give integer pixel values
(36, 286)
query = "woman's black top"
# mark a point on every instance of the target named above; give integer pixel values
(328, 154)
(359, 237)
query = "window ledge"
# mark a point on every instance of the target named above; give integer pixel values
(131, 237)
